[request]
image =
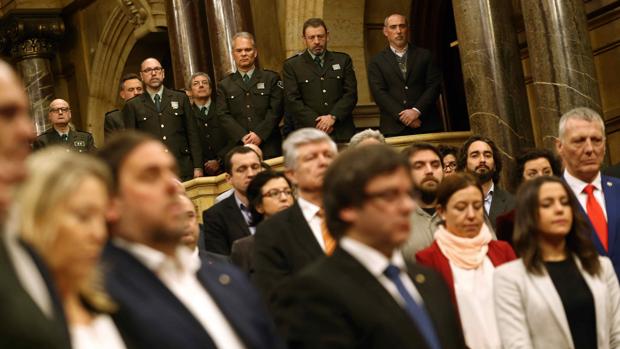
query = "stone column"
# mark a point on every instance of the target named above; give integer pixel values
(493, 77)
(561, 62)
(189, 41)
(30, 38)
(225, 18)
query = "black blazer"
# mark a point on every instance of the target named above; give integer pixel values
(223, 224)
(393, 93)
(310, 91)
(150, 315)
(174, 126)
(22, 323)
(212, 137)
(113, 121)
(502, 202)
(337, 303)
(283, 245)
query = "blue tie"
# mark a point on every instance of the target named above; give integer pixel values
(416, 312)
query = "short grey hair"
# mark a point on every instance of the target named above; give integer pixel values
(385, 21)
(301, 137)
(581, 113)
(195, 75)
(244, 35)
(366, 134)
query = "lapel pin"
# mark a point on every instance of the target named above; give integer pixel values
(420, 278)
(224, 279)
(610, 184)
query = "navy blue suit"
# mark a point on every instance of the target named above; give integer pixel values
(150, 316)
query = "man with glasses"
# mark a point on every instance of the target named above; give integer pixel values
(405, 83)
(62, 133)
(167, 115)
(249, 101)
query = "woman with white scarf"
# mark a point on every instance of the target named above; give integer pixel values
(465, 254)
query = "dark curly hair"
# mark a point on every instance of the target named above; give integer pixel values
(461, 160)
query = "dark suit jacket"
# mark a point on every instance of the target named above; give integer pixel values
(499, 253)
(337, 303)
(242, 254)
(212, 137)
(22, 323)
(255, 107)
(612, 171)
(174, 126)
(78, 141)
(505, 225)
(113, 121)
(502, 202)
(283, 245)
(223, 223)
(393, 93)
(150, 316)
(310, 91)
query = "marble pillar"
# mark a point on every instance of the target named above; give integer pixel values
(31, 39)
(225, 18)
(561, 61)
(493, 77)
(189, 41)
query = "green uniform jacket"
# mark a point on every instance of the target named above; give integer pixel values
(174, 126)
(310, 91)
(112, 122)
(78, 141)
(255, 106)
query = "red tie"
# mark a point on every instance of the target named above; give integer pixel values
(597, 217)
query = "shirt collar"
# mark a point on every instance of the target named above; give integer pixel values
(321, 56)
(160, 93)
(577, 185)
(205, 106)
(401, 53)
(489, 194)
(374, 261)
(307, 208)
(250, 72)
(155, 260)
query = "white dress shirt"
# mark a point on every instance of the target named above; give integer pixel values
(101, 333)
(474, 297)
(488, 199)
(178, 274)
(399, 53)
(577, 185)
(310, 212)
(376, 263)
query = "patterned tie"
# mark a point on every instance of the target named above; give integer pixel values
(317, 60)
(157, 103)
(203, 111)
(597, 217)
(415, 311)
(328, 240)
(246, 79)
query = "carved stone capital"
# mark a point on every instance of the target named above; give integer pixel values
(27, 34)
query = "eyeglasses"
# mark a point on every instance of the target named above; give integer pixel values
(391, 195)
(150, 70)
(450, 166)
(57, 110)
(275, 193)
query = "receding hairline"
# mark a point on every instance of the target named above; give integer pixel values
(243, 35)
(385, 21)
(149, 58)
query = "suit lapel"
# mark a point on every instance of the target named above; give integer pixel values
(239, 81)
(599, 296)
(390, 59)
(304, 234)
(236, 215)
(148, 102)
(544, 285)
(411, 60)
(612, 202)
(312, 66)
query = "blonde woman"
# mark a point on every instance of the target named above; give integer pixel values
(60, 211)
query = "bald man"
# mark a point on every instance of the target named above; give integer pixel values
(167, 115)
(59, 114)
(30, 314)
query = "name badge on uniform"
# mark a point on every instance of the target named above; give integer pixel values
(336, 66)
(260, 86)
(174, 104)
(79, 144)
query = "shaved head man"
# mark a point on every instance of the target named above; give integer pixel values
(61, 132)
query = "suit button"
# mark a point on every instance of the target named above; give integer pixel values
(262, 94)
(247, 93)
(247, 106)
(338, 77)
(324, 91)
(322, 78)
(162, 125)
(406, 87)
(164, 138)
(208, 136)
(325, 104)
(405, 102)
(232, 97)
(206, 124)
(306, 81)
(159, 114)
(144, 119)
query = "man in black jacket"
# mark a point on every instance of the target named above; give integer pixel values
(130, 86)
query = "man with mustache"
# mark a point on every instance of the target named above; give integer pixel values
(426, 173)
(480, 156)
(405, 83)
(320, 88)
(167, 115)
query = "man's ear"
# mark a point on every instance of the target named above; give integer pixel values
(290, 174)
(228, 177)
(113, 213)
(349, 214)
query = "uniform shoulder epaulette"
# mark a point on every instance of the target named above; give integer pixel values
(340, 53)
(295, 55)
(179, 90)
(272, 71)
(111, 111)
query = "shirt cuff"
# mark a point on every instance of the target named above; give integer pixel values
(418, 110)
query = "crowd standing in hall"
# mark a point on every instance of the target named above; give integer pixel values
(362, 247)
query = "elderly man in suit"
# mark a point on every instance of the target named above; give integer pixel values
(167, 115)
(581, 145)
(167, 298)
(405, 83)
(31, 314)
(130, 86)
(295, 237)
(230, 219)
(479, 155)
(61, 132)
(366, 295)
(320, 89)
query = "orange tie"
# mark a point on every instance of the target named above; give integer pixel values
(597, 217)
(328, 240)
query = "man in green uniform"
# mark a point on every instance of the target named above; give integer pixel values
(320, 89)
(249, 101)
(61, 133)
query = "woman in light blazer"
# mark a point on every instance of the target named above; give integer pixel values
(560, 293)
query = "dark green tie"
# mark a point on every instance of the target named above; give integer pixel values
(317, 60)
(203, 111)
(65, 137)
(246, 78)
(157, 103)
